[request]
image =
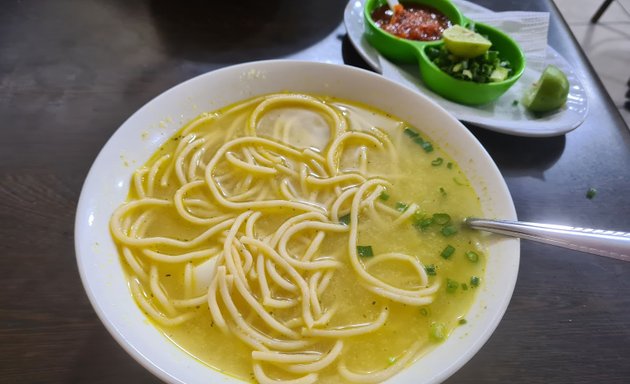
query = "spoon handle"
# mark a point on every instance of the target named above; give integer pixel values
(596, 241)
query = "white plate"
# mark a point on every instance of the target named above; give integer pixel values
(501, 115)
(107, 186)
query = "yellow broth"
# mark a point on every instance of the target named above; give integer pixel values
(424, 176)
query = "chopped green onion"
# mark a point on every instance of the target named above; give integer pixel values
(475, 281)
(430, 269)
(472, 256)
(438, 331)
(451, 285)
(462, 321)
(418, 140)
(449, 230)
(424, 312)
(384, 196)
(441, 218)
(484, 68)
(437, 162)
(464, 286)
(591, 193)
(345, 219)
(428, 147)
(491, 55)
(458, 181)
(365, 250)
(401, 207)
(423, 224)
(515, 103)
(411, 133)
(443, 192)
(447, 252)
(449, 165)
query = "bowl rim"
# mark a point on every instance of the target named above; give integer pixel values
(85, 216)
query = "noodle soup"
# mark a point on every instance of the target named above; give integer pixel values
(304, 238)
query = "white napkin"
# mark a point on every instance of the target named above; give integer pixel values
(528, 29)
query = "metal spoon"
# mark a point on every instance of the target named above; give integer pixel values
(596, 241)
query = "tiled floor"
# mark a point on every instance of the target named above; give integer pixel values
(606, 43)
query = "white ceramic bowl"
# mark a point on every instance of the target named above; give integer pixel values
(107, 185)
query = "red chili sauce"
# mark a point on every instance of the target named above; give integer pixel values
(412, 21)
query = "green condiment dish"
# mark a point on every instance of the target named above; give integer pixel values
(398, 49)
(406, 51)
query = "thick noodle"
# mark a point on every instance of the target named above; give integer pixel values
(263, 283)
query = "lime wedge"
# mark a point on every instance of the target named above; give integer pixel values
(549, 92)
(464, 43)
